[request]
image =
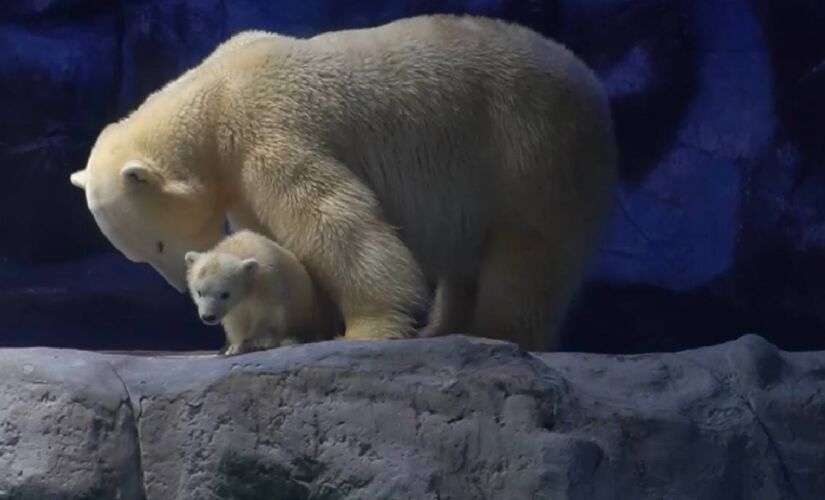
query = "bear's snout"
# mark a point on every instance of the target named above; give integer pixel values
(209, 319)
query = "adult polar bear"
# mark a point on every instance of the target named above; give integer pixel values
(462, 151)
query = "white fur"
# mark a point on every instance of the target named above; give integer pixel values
(258, 291)
(466, 152)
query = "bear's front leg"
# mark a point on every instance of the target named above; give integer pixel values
(371, 274)
(260, 337)
(237, 327)
(333, 222)
(251, 345)
(232, 350)
(222, 351)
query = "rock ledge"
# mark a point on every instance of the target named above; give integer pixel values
(447, 418)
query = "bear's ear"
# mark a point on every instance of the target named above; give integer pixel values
(137, 172)
(78, 179)
(249, 266)
(191, 257)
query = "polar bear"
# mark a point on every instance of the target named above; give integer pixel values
(464, 153)
(259, 292)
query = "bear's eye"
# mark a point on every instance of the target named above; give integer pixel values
(160, 247)
(200, 293)
(225, 295)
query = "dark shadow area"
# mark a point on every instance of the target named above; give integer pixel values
(643, 318)
(795, 40)
(42, 493)
(105, 320)
(244, 478)
(663, 37)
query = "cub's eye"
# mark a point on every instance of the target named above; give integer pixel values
(160, 247)
(224, 295)
(200, 293)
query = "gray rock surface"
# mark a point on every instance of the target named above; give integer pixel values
(446, 418)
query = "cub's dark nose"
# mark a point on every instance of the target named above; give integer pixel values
(208, 318)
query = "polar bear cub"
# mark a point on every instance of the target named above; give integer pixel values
(259, 291)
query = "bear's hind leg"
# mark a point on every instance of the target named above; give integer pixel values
(452, 310)
(525, 286)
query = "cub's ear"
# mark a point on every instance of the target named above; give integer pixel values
(78, 179)
(249, 266)
(191, 257)
(137, 172)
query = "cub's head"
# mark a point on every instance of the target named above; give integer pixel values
(218, 282)
(147, 192)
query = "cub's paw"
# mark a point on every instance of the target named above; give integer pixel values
(289, 341)
(243, 348)
(259, 344)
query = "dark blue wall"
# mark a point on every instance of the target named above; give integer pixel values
(720, 111)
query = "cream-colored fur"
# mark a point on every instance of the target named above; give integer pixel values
(259, 292)
(461, 151)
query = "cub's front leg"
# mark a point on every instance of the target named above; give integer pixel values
(232, 350)
(250, 345)
(238, 328)
(261, 337)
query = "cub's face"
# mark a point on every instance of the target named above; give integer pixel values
(146, 215)
(218, 282)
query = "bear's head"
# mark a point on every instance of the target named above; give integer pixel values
(218, 282)
(149, 194)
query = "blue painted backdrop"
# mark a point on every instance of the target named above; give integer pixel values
(719, 227)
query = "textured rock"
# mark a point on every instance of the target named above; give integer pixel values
(448, 418)
(67, 429)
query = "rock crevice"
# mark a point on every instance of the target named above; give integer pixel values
(128, 402)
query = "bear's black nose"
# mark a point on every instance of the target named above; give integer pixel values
(208, 318)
